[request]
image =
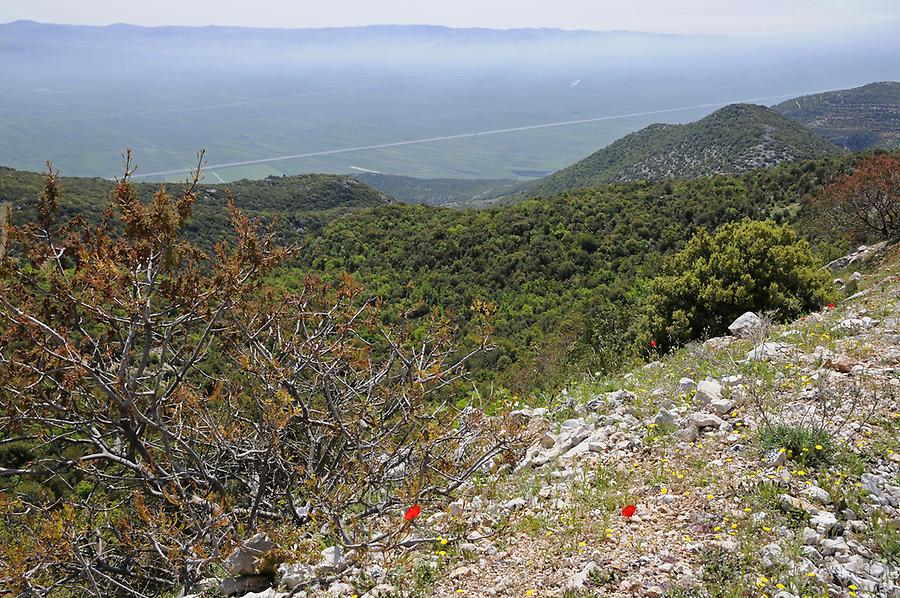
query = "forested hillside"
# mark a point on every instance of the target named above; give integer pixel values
(566, 272)
(734, 139)
(857, 119)
(440, 192)
(297, 202)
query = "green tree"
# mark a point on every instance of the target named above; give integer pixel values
(744, 266)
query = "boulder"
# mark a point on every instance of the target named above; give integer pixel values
(708, 391)
(332, 561)
(249, 557)
(746, 325)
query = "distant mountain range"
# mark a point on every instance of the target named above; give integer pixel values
(856, 119)
(734, 139)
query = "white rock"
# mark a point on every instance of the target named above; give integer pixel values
(771, 555)
(746, 325)
(823, 521)
(721, 406)
(578, 581)
(247, 558)
(707, 391)
(817, 494)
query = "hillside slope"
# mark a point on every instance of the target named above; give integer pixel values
(439, 192)
(294, 199)
(736, 138)
(759, 466)
(857, 119)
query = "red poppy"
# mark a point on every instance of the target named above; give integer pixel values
(831, 306)
(629, 511)
(412, 512)
(653, 344)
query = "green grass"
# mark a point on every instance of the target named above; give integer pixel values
(807, 445)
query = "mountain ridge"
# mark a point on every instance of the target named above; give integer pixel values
(736, 138)
(860, 118)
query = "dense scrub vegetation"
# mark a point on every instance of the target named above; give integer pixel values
(300, 203)
(568, 273)
(744, 266)
(159, 404)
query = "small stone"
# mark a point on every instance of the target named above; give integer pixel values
(840, 363)
(686, 385)
(721, 406)
(515, 504)
(332, 561)
(817, 494)
(766, 351)
(771, 555)
(664, 419)
(654, 592)
(460, 572)
(238, 586)
(832, 546)
(578, 581)
(823, 521)
(809, 536)
(341, 590)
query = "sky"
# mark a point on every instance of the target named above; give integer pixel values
(728, 17)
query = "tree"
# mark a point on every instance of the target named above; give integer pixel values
(744, 266)
(181, 401)
(866, 201)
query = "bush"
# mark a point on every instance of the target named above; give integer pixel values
(807, 445)
(744, 266)
(867, 201)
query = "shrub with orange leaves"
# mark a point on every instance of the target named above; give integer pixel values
(866, 201)
(180, 401)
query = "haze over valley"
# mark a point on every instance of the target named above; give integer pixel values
(419, 101)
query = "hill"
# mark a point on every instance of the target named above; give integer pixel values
(856, 119)
(565, 271)
(298, 202)
(440, 192)
(736, 138)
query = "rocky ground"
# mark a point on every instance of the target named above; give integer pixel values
(765, 463)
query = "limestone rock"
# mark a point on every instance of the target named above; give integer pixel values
(746, 325)
(249, 558)
(708, 391)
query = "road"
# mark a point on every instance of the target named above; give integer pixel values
(565, 123)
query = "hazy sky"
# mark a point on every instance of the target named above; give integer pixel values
(675, 16)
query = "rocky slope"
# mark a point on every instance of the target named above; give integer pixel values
(765, 463)
(857, 119)
(736, 138)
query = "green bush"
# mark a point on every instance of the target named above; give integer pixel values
(744, 266)
(806, 445)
